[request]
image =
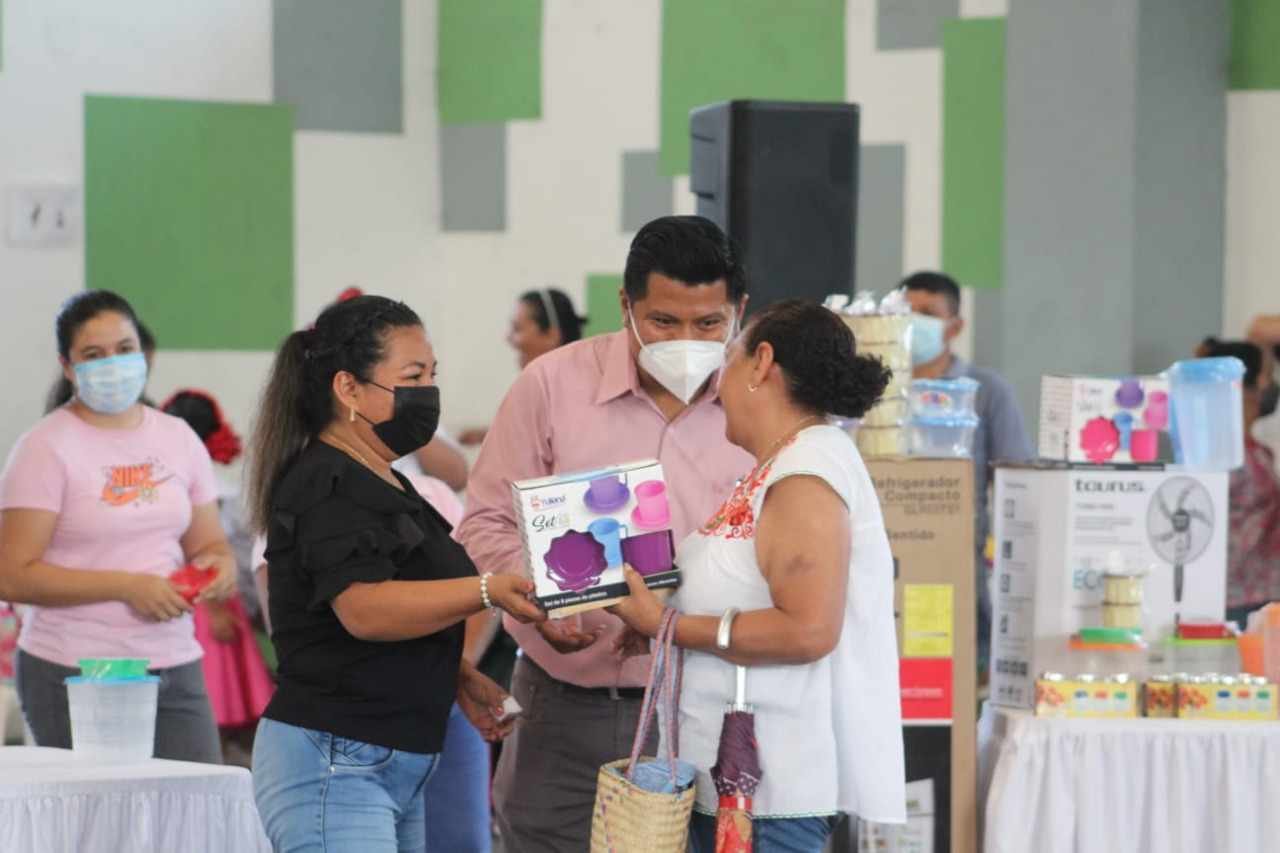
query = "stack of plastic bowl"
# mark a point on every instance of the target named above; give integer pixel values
(113, 710)
(888, 338)
(942, 419)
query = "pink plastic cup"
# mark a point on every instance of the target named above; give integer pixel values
(652, 511)
(1144, 445)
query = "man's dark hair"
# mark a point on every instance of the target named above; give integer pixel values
(690, 249)
(1248, 353)
(936, 282)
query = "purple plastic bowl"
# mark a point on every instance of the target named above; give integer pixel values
(575, 561)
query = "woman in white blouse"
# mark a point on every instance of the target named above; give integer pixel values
(793, 578)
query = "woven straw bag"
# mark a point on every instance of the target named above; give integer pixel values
(628, 819)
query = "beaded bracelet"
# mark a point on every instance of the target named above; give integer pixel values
(484, 590)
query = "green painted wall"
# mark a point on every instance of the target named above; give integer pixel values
(973, 60)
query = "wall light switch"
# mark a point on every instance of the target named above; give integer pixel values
(43, 215)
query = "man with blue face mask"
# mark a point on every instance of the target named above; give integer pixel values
(647, 391)
(1001, 435)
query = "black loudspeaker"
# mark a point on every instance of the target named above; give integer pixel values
(781, 178)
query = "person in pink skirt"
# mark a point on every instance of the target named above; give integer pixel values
(239, 684)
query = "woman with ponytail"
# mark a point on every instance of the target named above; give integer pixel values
(368, 591)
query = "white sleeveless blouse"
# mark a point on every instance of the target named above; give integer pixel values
(830, 732)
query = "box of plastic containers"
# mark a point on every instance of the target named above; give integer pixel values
(1106, 420)
(1227, 697)
(1086, 696)
(579, 529)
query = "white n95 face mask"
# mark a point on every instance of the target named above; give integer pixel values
(682, 367)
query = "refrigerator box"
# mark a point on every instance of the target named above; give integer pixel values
(1058, 529)
(928, 508)
(579, 529)
(1100, 420)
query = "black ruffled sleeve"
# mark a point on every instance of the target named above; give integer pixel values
(339, 543)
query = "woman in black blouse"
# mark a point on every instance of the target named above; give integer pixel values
(368, 592)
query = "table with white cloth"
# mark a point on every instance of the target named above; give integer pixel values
(1074, 785)
(53, 801)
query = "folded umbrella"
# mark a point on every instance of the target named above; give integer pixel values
(736, 773)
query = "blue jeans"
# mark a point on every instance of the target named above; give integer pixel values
(774, 835)
(457, 795)
(319, 793)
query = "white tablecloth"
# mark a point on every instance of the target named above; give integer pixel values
(1071, 786)
(51, 802)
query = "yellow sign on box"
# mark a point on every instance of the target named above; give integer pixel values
(927, 624)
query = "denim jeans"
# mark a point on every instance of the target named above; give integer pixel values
(319, 793)
(457, 795)
(774, 835)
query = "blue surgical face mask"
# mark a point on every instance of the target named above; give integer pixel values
(927, 338)
(111, 385)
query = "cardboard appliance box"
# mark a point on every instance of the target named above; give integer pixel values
(928, 513)
(1055, 529)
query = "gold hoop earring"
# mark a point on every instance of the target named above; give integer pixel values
(351, 414)
(752, 388)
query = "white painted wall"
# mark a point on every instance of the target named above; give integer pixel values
(367, 205)
(1252, 266)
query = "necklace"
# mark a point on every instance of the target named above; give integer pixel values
(349, 450)
(772, 451)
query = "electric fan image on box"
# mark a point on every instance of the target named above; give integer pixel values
(1180, 525)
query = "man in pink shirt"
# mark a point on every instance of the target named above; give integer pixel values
(647, 391)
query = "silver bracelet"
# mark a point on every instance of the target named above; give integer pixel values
(484, 590)
(726, 628)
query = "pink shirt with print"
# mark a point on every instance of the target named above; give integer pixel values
(124, 499)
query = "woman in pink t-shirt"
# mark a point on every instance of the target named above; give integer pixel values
(101, 500)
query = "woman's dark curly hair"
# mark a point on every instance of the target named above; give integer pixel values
(819, 357)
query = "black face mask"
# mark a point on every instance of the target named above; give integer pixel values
(415, 414)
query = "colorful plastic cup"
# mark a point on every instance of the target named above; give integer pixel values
(606, 494)
(1144, 445)
(652, 511)
(575, 561)
(649, 553)
(608, 532)
(1157, 414)
(1124, 423)
(1129, 395)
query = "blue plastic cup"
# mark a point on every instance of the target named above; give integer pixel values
(1208, 412)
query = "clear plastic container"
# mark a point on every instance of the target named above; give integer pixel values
(943, 436)
(1207, 412)
(1071, 656)
(943, 396)
(1200, 656)
(113, 721)
(889, 412)
(881, 441)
